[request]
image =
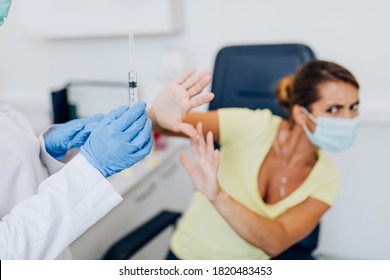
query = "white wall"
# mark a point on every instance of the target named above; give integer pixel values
(353, 33)
(357, 226)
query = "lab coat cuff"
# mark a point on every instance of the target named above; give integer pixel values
(52, 165)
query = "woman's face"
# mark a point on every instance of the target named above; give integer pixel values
(338, 99)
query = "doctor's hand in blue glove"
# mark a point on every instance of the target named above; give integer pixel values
(120, 140)
(70, 135)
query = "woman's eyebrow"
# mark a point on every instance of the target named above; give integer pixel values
(354, 104)
(338, 106)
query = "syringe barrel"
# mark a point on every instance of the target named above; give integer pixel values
(133, 92)
(132, 79)
(133, 96)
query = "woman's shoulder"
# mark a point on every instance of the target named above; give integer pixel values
(327, 167)
(327, 181)
(241, 124)
(246, 115)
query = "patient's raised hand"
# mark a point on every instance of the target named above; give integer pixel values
(204, 171)
(179, 97)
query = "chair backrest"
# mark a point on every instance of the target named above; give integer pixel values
(247, 76)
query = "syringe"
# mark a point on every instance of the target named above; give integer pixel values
(133, 92)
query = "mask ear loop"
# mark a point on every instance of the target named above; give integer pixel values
(311, 117)
(308, 114)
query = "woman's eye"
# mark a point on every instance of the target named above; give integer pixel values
(355, 107)
(332, 110)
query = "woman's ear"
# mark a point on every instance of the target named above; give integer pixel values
(298, 116)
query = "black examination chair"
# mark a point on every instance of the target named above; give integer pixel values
(244, 76)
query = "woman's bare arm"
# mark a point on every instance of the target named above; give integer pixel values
(272, 236)
(209, 121)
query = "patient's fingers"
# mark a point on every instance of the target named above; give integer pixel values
(187, 129)
(201, 141)
(199, 86)
(185, 76)
(191, 81)
(199, 144)
(210, 146)
(216, 157)
(195, 149)
(186, 163)
(201, 99)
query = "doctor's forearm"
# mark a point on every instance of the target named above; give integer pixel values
(259, 231)
(66, 205)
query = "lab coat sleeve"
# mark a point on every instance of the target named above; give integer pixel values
(52, 165)
(66, 205)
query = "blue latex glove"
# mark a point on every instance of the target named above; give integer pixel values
(70, 135)
(120, 140)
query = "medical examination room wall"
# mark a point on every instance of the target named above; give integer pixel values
(351, 33)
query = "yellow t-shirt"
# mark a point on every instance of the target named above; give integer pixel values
(246, 137)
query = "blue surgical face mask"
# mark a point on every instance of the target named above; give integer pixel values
(332, 134)
(4, 9)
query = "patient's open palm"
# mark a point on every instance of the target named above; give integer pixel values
(204, 171)
(178, 98)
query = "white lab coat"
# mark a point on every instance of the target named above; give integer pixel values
(42, 215)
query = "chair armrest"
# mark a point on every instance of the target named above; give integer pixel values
(135, 240)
